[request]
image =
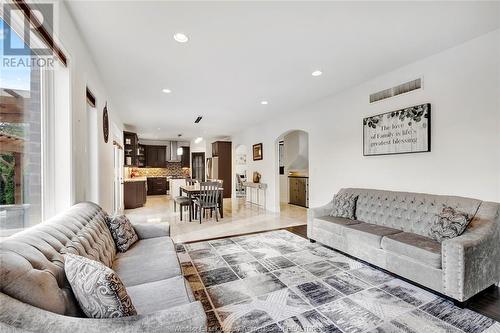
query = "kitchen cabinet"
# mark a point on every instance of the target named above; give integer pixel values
(134, 193)
(141, 156)
(222, 165)
(157, 185)
(215, 149)
(185, 158)
(130, 145)
(298, 191)
(156, 156)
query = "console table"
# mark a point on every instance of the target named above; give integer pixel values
(255, 188)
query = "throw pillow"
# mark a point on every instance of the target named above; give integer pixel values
(448, 224)
(344, 205)
(122, 231)
(97, 288)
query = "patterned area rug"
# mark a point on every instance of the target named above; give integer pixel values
(280, 282)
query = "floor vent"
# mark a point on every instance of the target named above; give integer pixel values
(397, 90)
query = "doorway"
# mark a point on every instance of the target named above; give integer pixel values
(198, 166)
(292, 169)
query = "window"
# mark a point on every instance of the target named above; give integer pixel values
(20, 144)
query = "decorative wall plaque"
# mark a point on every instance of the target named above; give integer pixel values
(105, 123)
(398, 132)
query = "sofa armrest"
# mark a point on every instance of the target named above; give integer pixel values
(184, 318)
(313, 213)
(145, 231)
(471, 261)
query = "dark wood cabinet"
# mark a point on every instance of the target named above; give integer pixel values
(185, 158)
(156, 156)
(130, 145)
(134, 193)
(298, 191)
(215, 149)
(223, 152)
(157, 185)
(141, 156)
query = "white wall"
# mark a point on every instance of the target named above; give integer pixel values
(83, 72)
(462, 84)
(241, 169)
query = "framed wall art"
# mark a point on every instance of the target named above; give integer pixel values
(398, 132)
(257, 152)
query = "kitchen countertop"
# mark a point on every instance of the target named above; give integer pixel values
(135, 179)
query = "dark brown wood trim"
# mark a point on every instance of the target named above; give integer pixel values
(291, 229)
(41, 31)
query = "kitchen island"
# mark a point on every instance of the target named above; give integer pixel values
(134, 192)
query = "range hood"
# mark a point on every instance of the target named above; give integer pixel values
(172, 152)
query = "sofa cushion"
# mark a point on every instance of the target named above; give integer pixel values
(449, 223)
(154, 266)
(98, 290)
(368, 234)
(419, 248)
(122, 231)
(160, 295)
(332, 223)
(344, 205)
(148, 246)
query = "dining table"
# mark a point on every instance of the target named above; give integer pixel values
(192, 190)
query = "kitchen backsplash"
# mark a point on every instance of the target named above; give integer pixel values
(172, 169)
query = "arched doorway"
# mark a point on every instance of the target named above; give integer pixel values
(292, 170)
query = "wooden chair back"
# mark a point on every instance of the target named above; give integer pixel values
(209, 193)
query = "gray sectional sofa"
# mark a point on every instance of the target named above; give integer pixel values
(391, 231)
(35, 294)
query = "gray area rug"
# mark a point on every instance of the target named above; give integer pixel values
(279, 282)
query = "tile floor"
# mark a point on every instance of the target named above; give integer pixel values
(279, 282)
(239, 218)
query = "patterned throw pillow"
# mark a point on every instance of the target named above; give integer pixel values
(122, 231)
(449, 224)
(344, 205)
(97, 288)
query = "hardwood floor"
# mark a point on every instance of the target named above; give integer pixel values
(486, 302)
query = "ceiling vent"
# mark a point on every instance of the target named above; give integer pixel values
(198, 119)
(397, 90)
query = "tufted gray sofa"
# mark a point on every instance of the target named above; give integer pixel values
(391, 232)
(35, 295)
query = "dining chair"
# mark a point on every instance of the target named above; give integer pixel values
(208, 199)
(182, 200)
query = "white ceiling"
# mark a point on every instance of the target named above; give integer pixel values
(240, 53)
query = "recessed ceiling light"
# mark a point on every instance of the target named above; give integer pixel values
(264, 102)
(181, 38)
(166, 91)
(158, 128)
(316, 73)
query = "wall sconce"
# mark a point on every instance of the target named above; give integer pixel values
(179, 151)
